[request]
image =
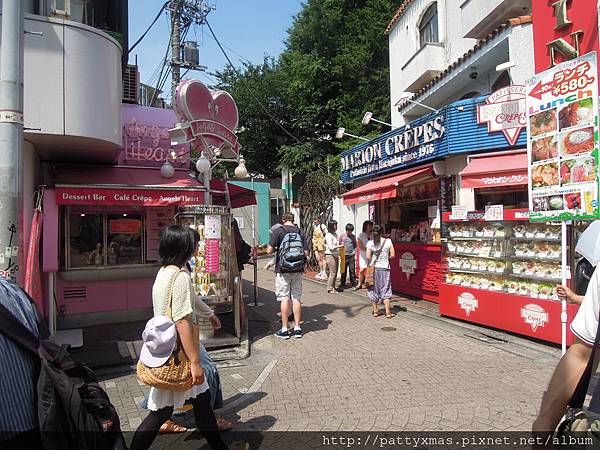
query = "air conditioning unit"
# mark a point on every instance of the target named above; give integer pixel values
(131, 84)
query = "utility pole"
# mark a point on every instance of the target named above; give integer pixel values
(175, 47)
(11, 138)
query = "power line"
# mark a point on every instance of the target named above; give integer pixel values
(266, 111)
(148, 29)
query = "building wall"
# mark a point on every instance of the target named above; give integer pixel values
(262, 212)
(354, 214)
(72, 89)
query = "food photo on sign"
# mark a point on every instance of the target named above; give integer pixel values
(562, 126)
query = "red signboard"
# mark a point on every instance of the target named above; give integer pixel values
(125, 226)
(528, 316)
(417, 270)
(563, 30)
(124, 196)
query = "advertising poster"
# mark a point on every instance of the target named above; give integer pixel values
(562, 144)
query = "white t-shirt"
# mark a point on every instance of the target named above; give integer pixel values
(585, 323)
(364, 240)
(383, 259)
(331, 245)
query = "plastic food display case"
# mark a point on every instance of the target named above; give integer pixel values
(504, 274)
(212, 273)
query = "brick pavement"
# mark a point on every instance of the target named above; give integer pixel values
(348, 374)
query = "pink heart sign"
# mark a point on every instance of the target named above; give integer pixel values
(207, 117)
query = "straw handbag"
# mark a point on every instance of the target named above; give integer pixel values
(175, 374)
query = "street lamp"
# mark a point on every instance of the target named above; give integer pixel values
(341, 132)
(368, 117)
(407, 99)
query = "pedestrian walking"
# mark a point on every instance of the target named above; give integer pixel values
(18, 375)
(348, 240)
(332, 254)
(290, 261)
(318, 244)
(379, 252)
(173, 287)
(271, 262)
(363, 238)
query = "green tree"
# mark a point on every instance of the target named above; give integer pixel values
(334, 68)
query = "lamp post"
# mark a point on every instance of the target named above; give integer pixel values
(368, 117)
(341, 132)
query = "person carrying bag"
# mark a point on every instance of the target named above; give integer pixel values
(379, 252)
(169, 360)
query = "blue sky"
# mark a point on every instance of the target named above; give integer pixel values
(247, 29)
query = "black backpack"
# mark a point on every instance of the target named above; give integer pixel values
(291, 252)
(74, 412)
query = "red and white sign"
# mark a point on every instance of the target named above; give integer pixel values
(504, 111)
(408, 264)
(563, 30)
(468, 302)
(124, 226)
(136, 197)
(534, 315)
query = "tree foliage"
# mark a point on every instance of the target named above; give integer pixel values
(334, 68)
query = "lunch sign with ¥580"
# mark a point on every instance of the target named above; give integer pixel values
(562, 144)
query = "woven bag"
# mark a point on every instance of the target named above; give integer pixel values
(176, 373)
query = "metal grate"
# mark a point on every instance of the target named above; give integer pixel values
(131, 84)
(75, 293)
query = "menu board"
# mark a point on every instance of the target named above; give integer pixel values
(157, 219)
(562, 144)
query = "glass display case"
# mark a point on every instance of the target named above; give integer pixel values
(515, 257)
(210, 266)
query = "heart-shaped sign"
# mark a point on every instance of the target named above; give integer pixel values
(211, 114)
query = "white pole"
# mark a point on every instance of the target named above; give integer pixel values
(51, 305)
(206, 178)
(565, 275)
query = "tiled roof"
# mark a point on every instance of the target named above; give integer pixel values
(521, 20)
(397, 16)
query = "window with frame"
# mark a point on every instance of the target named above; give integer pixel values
(98, 238)
(428, 27)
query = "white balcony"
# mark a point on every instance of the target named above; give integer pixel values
(427, 63)
(480, 17)
(72, 91)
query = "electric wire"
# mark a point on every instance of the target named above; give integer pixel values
(258, 102)
(149, 28)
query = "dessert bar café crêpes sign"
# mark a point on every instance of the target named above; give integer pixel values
(562, 145)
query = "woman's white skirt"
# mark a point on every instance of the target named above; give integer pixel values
(362, 260)
(161, 398)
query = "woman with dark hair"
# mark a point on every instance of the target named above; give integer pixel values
(379, 252)
(175, 248)
(363, 239)
(332, 254)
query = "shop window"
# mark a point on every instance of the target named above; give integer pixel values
(124, 243)
(428, 27)
(511, 198)
(86, 240)
(101, 237)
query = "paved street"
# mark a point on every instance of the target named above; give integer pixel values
(353, 372)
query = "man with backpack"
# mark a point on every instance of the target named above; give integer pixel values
(290, 261)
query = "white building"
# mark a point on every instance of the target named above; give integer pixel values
(446, 50)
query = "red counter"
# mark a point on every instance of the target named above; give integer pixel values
(417, 270)
(532, 317)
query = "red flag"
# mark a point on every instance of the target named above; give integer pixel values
(33, 280)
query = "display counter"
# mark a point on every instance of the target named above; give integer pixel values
(503, 273)
(417, 270)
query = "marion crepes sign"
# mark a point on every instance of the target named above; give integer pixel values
(504, 111)
(127, 197)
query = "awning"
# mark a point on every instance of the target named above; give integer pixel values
(381, 189)
(121, 186)
(493, 171)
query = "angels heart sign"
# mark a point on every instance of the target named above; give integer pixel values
(207, 119)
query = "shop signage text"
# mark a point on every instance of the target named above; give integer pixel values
(148, 143)
(562, 117)
(408, 264)
(563, 30)
(409, 145)
(135, 197)
(534, 315)
(504, 111)
(468, 302)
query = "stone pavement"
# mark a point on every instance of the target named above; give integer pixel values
(353, 372)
